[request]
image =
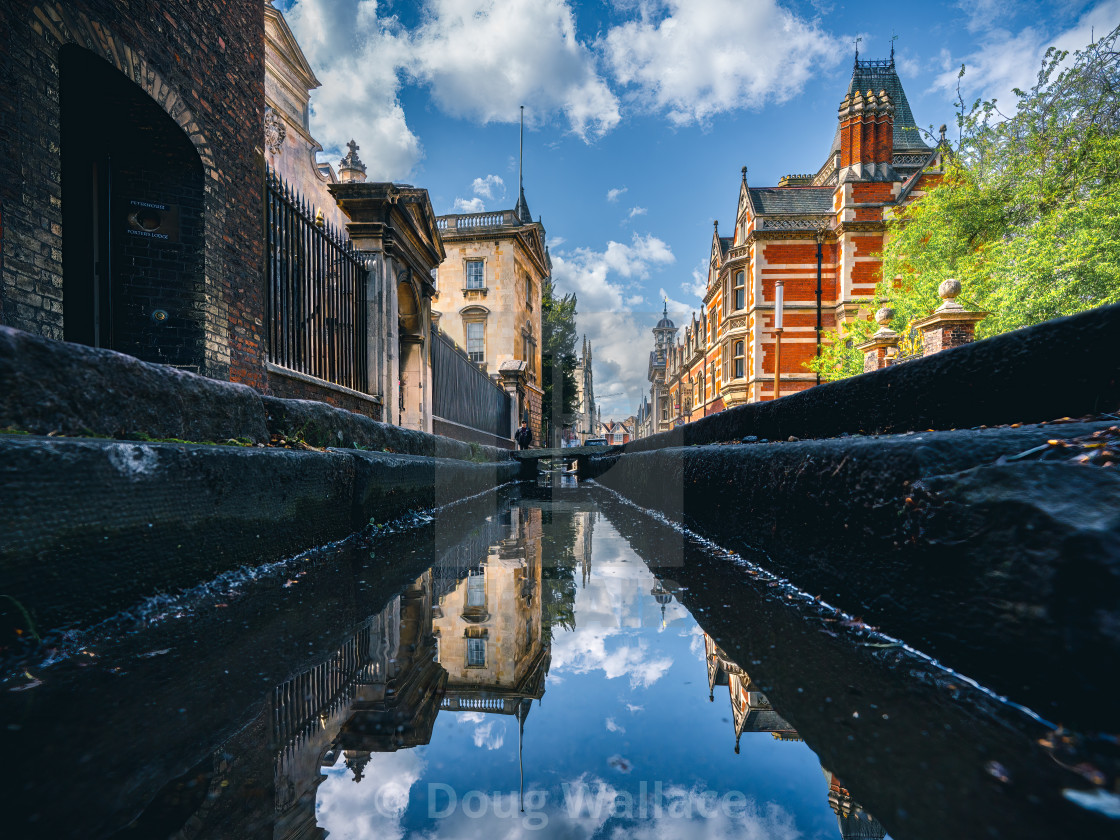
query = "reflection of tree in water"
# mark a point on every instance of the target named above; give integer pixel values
(566, 544)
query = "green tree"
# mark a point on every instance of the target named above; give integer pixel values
(558, 358)
(1027, 216)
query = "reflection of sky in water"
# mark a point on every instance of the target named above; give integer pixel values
(625, 715)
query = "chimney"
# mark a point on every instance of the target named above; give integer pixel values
(866, 136)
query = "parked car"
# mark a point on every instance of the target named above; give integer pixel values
(595, 441)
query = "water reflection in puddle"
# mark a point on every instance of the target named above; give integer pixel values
(544, 676)
(552, 684)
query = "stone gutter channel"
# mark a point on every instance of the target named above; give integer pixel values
(113, 489)
(989, 546)
(969, 544)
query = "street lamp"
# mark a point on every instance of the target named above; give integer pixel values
(779, 299)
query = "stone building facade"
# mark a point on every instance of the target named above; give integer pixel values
(490, 297)
(813, 242)
(289, 148)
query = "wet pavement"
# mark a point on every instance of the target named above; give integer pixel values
(534, 662)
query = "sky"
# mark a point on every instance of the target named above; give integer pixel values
(626, 705)
(639, 116)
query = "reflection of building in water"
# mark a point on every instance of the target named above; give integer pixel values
(662, 596)
(466, 635)
(581, 548)
(380, 692)
(753, 713)
(750, 709)
(855, 823)
(488, 628)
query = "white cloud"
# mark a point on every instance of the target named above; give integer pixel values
(613, 194)
(604, 283)
(355, 55)
(482, 60)
(473, 205)
(486, 736)
(614, 727)
(491, 187)
(1005, 60)
(698, 286)
(637, 211)
(375, 807)
(694, 59)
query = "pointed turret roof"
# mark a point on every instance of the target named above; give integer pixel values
(877, 75)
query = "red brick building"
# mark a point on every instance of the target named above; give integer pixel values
(817, 238)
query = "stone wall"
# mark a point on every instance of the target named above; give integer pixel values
(50, 387)
(99, 522)
(1064, 367)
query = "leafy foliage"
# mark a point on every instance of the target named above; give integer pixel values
(558, 357)
(1027, 216)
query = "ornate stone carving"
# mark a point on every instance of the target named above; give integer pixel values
(274, 130)
(791, 222)
(910, 160)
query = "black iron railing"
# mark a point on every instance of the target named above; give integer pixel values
(462, 393)
(316, 292)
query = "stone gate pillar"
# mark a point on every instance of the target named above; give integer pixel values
(395, 226)
(950, 325)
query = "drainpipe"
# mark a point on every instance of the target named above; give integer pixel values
(820, 238)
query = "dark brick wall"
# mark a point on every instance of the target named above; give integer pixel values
(204, 64)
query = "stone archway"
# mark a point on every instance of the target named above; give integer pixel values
(411, 357)
(133, 219)
(183, 319)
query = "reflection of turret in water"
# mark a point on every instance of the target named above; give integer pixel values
(854, 822)
(750, 708)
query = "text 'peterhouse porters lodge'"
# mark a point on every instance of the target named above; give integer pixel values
(815, 237)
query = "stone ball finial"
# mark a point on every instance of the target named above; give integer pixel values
(884, 316)
(949, 289)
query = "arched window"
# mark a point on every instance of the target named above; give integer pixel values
(739, 371)
(740, 290)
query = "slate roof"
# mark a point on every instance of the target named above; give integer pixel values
(880, 75)
(794, 200)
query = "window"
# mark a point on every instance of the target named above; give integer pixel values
(740, 290)
(476, 652)
(739, 370)
(476, 341)
(475, 279)
(476, 590)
